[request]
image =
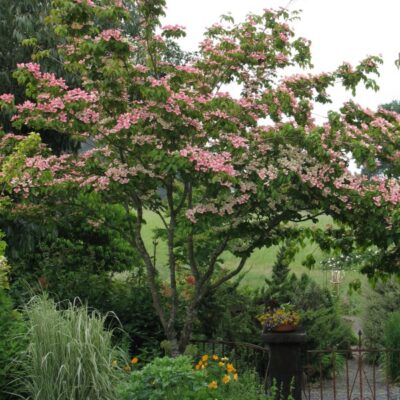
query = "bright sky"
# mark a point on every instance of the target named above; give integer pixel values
(340, 30)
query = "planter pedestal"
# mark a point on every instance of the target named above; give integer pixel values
(285, 363)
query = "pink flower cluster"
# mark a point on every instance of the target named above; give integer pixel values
(206, 160)
(281, 59)
(88, 2)
(237, 141)
(188, 69)
(141, 68)
(78, 94)
(125, 121)
(88, 116)
(49, 78)
(109, 34)
(52, 106)
(173, 28)
(7, 98)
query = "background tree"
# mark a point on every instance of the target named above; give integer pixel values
(219, 177)
(278, 287)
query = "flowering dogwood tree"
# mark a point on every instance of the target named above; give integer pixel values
(223, 173)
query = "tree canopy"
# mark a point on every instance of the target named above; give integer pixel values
(223, 173)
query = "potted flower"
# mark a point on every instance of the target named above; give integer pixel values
(280, 319)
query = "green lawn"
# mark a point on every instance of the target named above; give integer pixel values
(260, 264)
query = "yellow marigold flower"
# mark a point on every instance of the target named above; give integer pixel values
(226, 379)
(224, 359)
(215, 357)
(213, 385)
(204, 358)
(127, 368)
(114, 363)
(230, 368)
(236, 377)
(221, 364)
(134, 360)
(197, 366)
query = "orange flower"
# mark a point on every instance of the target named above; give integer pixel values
(226, 379)
(204, 358)
(134, 360)
(236, 377)
(230, 368)
(213, 385)
(215, 357)
(190, 280)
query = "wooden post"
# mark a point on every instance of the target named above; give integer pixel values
(285, 362)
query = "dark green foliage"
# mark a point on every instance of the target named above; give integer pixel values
(229, 314)
(12, 344)
(322, 321)
(75, 250)
(381, 302)
(320, 315)
(392, 341)
(278, 287)
(130, 301)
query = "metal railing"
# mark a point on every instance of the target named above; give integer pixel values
(357, 373)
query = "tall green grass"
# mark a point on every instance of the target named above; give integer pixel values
(70, 355)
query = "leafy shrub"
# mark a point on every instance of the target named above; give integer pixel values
(70, 356)
(131, 302)
(176, 378)
(77, 251)
(229, 314)
(164, 379)
(381, 302)
(392, 341)
(321, 316)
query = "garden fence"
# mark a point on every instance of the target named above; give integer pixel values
(358, 373)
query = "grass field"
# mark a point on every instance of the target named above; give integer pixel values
(260, 264)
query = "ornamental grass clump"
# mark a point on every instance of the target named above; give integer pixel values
(70, 354)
